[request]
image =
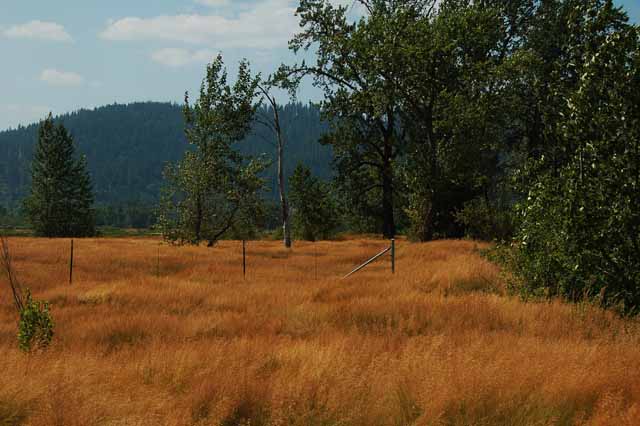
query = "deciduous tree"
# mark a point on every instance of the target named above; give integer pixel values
(580, 221)
(214, 186)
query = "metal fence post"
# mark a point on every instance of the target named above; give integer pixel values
(71, 265)
(393, 255)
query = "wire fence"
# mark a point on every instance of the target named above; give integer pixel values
(159, 264)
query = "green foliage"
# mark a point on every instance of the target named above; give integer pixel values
(35, 329)
(357, 66)
(133, 214)
(12, 217)
(484, 220)
(411, 92)
(61, 199)
(579, 233)
(440, 101)
(452, 120)
(128, 146)
(314, 212)
(214, 188)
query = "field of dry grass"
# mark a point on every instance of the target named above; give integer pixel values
(193, 343)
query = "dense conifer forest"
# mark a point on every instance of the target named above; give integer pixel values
(127, 146)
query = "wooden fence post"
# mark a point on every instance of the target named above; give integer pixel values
(71, 264)
(244, 260)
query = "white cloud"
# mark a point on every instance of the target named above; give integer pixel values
(54, 77)
(177, 57)
(39, 30)
(268, 24)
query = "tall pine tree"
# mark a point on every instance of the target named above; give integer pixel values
(61, 199)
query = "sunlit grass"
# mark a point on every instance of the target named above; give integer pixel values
(192, 342)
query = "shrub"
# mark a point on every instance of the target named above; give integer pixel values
(579, 225)
(314, 211)
(35, 329)
(486, 221)
(36, 325)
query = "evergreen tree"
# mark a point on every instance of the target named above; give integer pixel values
(314, 212)
(128, 146)
(61, 199)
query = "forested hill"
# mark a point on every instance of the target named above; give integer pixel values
(127, 146)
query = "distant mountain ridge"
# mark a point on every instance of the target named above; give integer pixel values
(127, 147)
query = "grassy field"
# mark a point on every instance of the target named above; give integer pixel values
(192, 343)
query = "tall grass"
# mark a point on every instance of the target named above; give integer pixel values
(438, 343)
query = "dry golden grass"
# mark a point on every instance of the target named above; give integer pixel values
(436, 344)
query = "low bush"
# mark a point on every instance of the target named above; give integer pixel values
(483, 220)
(35, 329)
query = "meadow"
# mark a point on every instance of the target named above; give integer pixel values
(150, 334)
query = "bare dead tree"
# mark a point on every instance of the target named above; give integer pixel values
(275, 126)
(6, 263)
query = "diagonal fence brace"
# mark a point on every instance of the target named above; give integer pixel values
(373, 259)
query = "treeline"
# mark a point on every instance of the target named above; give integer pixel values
(127, 147)
(503, 119)
(514, 120)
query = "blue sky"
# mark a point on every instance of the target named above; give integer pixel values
(64, 55)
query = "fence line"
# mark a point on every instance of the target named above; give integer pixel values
(391, 248)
